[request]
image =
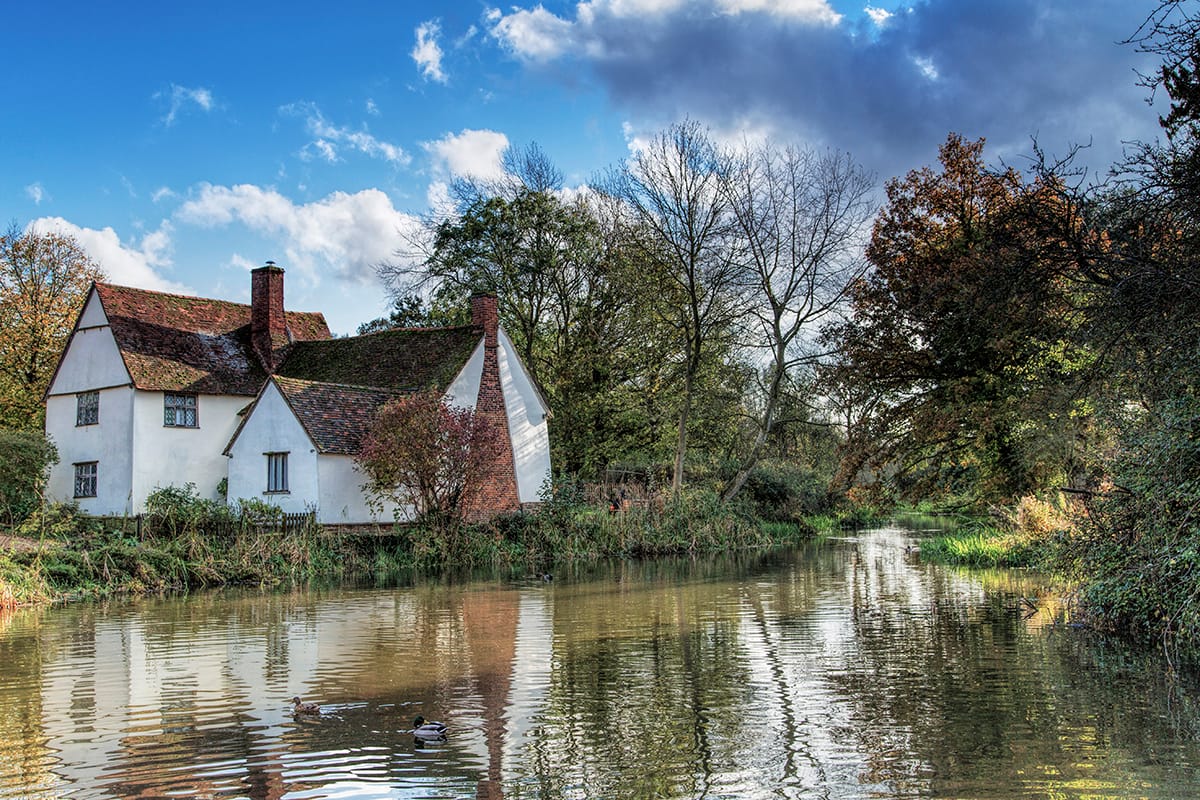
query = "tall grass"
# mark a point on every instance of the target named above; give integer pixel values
(187, 543)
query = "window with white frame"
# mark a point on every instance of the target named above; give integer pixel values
(179, 411)
(87, 408)
(277, 473)
(85, 478)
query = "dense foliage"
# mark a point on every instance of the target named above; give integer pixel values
(424, 453)
(25, 461)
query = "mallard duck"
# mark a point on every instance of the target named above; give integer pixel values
(304, 708)
(428, 731)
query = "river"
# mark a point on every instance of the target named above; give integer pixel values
(844, 668)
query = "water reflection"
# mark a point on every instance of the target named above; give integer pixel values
(840, 669)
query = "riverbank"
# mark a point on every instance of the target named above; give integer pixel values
(184, 543)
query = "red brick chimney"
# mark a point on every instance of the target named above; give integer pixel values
(486, 314)
(268, 329)
(497, 491)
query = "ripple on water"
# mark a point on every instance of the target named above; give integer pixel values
(841, 670)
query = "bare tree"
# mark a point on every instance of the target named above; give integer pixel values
(672, 190)
(801, 216)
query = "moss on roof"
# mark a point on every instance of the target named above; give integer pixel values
(172, 342)
(405, 359)
(336, 416)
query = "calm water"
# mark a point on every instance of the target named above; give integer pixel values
(844, 669)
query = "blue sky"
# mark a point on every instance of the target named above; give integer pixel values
(185, 143)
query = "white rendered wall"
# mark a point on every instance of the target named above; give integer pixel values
(526, 423)
(91, 362)
(109, 443)
(169, 456)
(273, 428)
(342, 500)
(464, 391)
(93, 312)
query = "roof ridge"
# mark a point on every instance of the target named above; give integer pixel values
(362, 386)
(181, 296)
(415, 329)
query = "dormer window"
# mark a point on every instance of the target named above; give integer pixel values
(87, 408)
(179, 411)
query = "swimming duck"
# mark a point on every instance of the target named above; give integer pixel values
(304, 708)
(428, 731)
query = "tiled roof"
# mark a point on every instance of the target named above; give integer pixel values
(335, 386)
(405, 359)
(335, 416)
(174, 342)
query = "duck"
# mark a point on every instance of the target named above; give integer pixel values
(299, 707)
(427, 730)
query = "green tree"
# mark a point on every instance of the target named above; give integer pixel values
(44, 279)
(684, 235)
(25, 461)
(801, 216)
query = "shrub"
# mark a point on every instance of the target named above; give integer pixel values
(25, 461)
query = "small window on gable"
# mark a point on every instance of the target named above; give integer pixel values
(85, 478)
(277, 473)
(179, 411)
(87, 408)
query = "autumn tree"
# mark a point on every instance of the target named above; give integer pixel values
(801, 216)
(425, 453)
(963, 333)
(44, 279)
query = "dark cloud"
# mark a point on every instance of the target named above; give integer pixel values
(1007, 70)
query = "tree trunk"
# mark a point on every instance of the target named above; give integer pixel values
(681, 443)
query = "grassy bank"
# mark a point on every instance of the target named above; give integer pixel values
(1025, 536)
(186, 543)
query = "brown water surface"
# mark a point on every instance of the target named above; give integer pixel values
(841, 669)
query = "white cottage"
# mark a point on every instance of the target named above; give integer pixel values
(157, 389)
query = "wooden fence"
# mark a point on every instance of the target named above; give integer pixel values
(230, 528)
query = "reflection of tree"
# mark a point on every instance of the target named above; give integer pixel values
(954, 695)
(24, 760)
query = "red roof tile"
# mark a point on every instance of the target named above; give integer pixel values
(336, 417)
(173, 342)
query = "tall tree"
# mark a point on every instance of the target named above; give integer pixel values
(44, 279)
(802, 217)
(965, 325)
(672, 190)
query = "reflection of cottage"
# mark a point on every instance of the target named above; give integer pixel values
(157, 390)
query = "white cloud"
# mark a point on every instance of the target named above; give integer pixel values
(372, 109)
(131, 264)
(427, 53)
(470, 154)
(162, 193)
(627, 8)
(329, 137)
(535, 35)
(347, 234)
(879, 16)
(467, 36)
(927, 67)
(36, 193)
(818, 11)
(180, 97)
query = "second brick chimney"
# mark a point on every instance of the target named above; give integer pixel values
(486, 314)
(496, 490)
(268, 329)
